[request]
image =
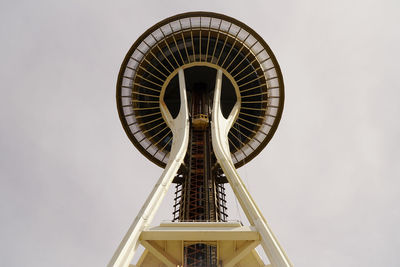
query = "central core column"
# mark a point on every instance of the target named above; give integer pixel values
(200, 186)
(200, 192)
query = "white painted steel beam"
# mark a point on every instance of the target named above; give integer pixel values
(142, 258)
(219, 129)
(200, 232)
(240, 253)
(160, 254)
(180, 130)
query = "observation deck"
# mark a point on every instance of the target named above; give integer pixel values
(200, 43)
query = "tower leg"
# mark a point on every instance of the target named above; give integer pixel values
(180, 131)
(220, 128)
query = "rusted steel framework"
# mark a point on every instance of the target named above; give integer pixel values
(199, 191)
(200, 255)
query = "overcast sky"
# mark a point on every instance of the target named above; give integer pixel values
(71, 181)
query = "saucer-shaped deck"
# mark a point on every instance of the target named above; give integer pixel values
(200, 42)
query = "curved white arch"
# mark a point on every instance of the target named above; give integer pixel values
(219, 129)
(180, 130)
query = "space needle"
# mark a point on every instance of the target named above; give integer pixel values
(200, 94)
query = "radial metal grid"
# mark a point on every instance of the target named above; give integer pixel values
(200, 39)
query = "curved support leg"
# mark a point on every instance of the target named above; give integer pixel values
(180, 130)
(219, 129)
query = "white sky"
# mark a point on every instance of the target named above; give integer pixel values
(71, 181)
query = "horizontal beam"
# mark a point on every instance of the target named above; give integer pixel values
(200, 233)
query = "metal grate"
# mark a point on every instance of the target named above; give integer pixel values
(200, 254)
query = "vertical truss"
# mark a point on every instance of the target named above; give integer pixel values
(200, 254)
(199, 191)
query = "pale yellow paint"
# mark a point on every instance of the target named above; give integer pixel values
(200, 232)
(231, 252)
(240, 253)
(160, 253)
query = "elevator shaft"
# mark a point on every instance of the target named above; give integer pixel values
(200, 192)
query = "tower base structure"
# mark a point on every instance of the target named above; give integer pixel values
(235, 244)
(221, 243)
